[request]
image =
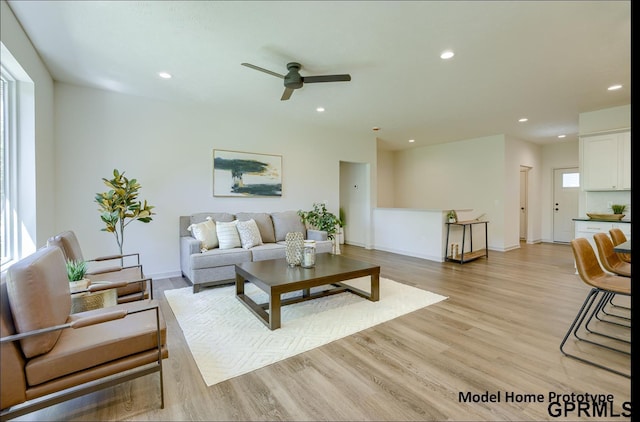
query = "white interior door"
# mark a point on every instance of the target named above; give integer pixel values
(566, 187)
(524, 172)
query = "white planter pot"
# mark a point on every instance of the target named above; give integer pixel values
(79, 285)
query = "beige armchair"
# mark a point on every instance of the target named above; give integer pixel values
(103, 268)
(49, 355)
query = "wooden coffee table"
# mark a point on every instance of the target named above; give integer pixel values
(275, 277)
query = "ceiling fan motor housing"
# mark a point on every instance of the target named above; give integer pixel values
(293, 79)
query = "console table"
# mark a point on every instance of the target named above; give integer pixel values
(467, 227)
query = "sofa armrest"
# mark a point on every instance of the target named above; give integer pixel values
(316, 234)
(189, 245)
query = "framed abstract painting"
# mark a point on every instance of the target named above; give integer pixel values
(246, 174)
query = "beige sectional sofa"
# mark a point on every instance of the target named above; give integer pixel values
(213, 266)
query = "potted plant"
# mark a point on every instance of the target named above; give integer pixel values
(452, 217)
(618, 209)
(76, 271)
(321, 219)
(119, 206)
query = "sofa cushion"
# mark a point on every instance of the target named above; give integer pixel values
(219, 258)
(268, 251)
(263, 220)
(39, 295)
(205, 232)
(249, 233)
(228, 237)
(285, 222)
(216, 216)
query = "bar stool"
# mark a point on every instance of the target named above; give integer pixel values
(609, 258)
(603, 285)
(618, 237)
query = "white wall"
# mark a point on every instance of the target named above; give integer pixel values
(386, 178)
(482, 174)
(168, 148)
(457, 175)
(36, 163)
(607, 119)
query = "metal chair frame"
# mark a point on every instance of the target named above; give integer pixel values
(604, 287)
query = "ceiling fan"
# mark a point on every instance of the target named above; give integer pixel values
(293, 80)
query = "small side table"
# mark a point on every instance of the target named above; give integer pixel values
(472, 254)
(87, 301)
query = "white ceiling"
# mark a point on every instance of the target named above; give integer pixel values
(545, 60)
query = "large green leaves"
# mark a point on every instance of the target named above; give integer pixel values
(321, 219)
(119, 206)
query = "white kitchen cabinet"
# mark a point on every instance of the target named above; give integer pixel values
(588, 228)
(606, 162)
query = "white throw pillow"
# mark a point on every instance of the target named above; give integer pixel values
(228, 237)
(249, 233)
(205, 232)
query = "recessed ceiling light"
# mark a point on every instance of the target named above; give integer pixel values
(320, 109)
(614, 87)
(562, 136)
(524, 119)
(165, 75)
(446, 54)
(411, 141)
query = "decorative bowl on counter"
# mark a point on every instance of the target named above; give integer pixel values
(610, 217)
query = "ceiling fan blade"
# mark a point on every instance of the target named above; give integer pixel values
(286, 94)
(252, 66)
(326, 78)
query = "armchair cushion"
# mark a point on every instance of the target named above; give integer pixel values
(68, 242)
(39, 282)
(81, 348)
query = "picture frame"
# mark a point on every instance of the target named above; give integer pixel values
(246, 174)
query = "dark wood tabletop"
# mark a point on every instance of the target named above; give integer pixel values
(624, 247)
(276, 277)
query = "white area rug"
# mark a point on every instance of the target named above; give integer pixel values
(227, 340)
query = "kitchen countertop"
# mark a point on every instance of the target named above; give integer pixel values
(601, 220)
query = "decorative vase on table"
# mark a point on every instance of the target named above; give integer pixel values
(309, 254)
(293, 251)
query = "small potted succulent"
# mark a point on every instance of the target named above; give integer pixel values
(618, 209)
(76, 271)
(452, 216)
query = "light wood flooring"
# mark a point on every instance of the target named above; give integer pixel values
(498, 331)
